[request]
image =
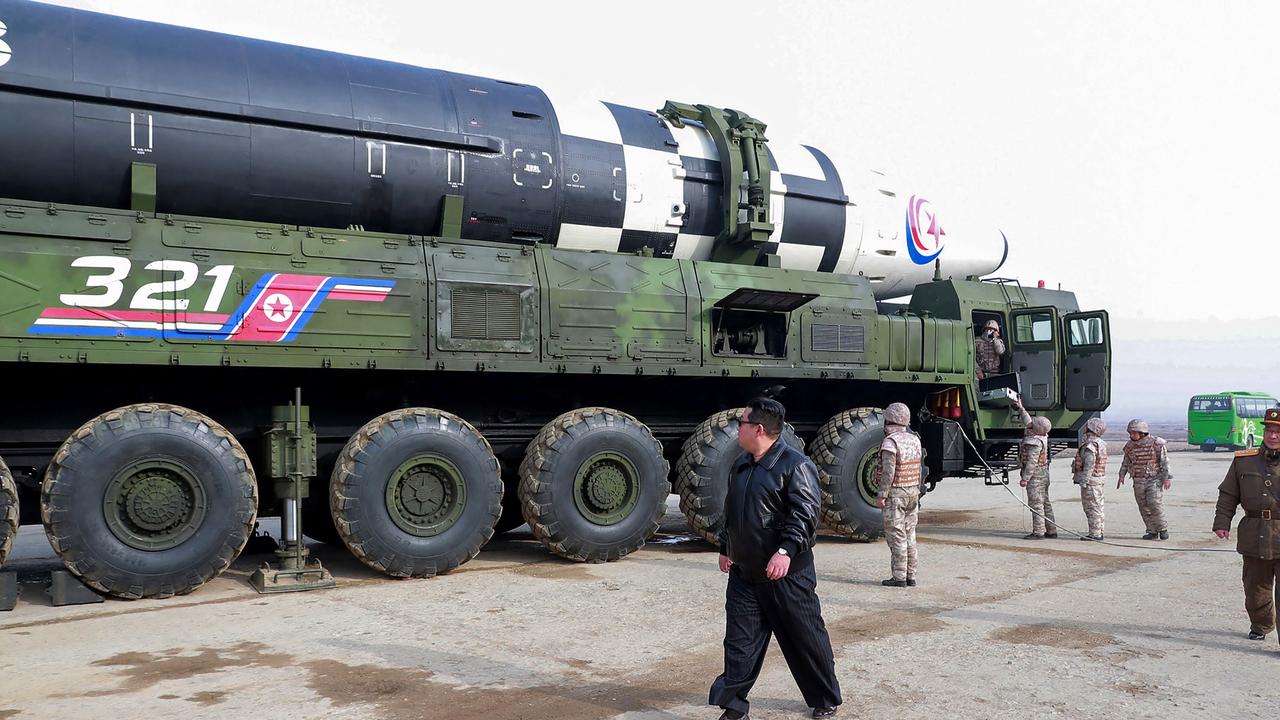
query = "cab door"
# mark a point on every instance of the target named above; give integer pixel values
(1035, 352)
(1086, 381)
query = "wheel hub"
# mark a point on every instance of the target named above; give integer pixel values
(154, 504)
(867, 485)
(606, 488)
(426, 495)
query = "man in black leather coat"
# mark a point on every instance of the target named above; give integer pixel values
(770, 520)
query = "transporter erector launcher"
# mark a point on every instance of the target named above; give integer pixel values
(253, 130)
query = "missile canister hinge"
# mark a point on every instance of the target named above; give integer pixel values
(741, 144)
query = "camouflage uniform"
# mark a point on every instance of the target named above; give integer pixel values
(987, 352)
(1147, 461)
(1033, 461)
(1089, 470)
(898, 477)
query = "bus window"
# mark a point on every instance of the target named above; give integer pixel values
(1251, 407)
(1210, 404)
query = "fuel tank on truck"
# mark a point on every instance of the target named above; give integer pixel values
(252, 130)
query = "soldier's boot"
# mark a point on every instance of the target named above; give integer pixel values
(1164, 534)
(1051, 535)
(1033, 536)
(1255, 635)
(911, 582)
(893, 583)
(1151, 536)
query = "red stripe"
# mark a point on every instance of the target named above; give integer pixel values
(132, 315)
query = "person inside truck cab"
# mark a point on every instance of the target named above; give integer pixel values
(988, 348)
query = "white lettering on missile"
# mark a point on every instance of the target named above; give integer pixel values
(5, 52)
(531, 168)
(134, 121)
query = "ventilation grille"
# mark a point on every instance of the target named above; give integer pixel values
(485, 315)
(839, 338)
(1040, 391)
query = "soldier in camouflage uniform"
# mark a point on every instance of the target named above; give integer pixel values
(1146, 459)
(899, 474)
(1033, 462)
(1253, 482)
(988, 347)
(1089, 470)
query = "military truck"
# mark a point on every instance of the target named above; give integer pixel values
(497, 313)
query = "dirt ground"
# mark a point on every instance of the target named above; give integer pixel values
(998, 628)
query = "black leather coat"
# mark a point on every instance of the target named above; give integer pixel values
(771, 504)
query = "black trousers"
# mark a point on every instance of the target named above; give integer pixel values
(789, 609)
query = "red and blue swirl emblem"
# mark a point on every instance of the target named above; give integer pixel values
(923, 247)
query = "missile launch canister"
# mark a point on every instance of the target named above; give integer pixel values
(252, 130)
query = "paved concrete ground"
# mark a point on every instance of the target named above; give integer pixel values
(998, 628)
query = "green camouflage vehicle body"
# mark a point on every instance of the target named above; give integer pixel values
(510, 339)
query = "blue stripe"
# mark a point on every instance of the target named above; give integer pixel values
(225, 332)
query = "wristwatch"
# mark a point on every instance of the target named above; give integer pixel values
(782, 552)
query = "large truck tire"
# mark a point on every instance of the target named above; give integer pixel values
(8, 511)
(416, 492)
(846, 451)
(702, 472)
(149, 500)
(593, 484)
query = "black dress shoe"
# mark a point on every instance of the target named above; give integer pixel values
(887, 583)
(911, 582)
(824, 712)
(733, 715)
(1164, 534)
(1257, 635)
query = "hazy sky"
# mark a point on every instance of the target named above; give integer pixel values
(1129, 150)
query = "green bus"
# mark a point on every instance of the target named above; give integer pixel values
(1230, 420)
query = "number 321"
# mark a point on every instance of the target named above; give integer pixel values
(117, 269)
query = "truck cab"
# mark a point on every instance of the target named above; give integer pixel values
(1057, 359)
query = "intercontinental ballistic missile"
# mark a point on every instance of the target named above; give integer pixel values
(246, 129)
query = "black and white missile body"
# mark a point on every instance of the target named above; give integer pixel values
(246, 129)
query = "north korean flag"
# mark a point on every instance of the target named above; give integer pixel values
(277, 306)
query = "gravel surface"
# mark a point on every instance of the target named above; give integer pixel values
(998, 628)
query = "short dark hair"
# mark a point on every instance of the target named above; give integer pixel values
(769, 413)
